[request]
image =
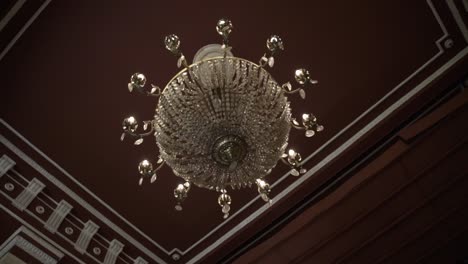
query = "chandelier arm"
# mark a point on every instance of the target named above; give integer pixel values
(293, 91)
(297, 127)
(148, 93)
(160, 165)
(150, 132)
(296, 169)
(137, 83)
(285, 162)
(146, 134)
(183, 61)
(263, 61)
(155, 91)
(287, 88)
(151, 94)
(141, 135)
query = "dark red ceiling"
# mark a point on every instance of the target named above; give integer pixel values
(406, 204)
(64, 90)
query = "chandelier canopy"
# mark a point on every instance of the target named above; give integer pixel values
(222, 121)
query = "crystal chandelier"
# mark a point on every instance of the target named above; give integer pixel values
(222, 121)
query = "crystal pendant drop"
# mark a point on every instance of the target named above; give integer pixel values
(309, 133)
(153, 178)
(271, 62)
(302, 93)
(226, 209)
(294, 172)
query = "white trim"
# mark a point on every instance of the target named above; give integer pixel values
(67, 239)
(33, 251)
(71, 224)
(16, 7)
(59, 234)
(57, 216)
(140, 260)
(37, 236)
(70, 193)
(6, 163)
(87, 233)
(23, 29)
(114, 249)
(28, 194)
(458, 19)
(40, 234)
(7, 244)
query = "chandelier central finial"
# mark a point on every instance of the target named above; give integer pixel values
(229, 151)
(222, 121)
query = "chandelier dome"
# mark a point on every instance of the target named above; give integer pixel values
(222, 122)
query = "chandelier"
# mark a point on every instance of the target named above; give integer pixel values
(222, 121)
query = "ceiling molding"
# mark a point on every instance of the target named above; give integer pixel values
(58, 214)
(5, 164)
(28, 241)
(10, 15)
(40, 234)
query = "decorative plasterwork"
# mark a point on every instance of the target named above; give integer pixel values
(86, 234)
(56, 218)
(34, 251)
(37, 235)
(60, 212)
(115, 247)
(5, 164)
(29, 243)
(140, 260)
(28, 194)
